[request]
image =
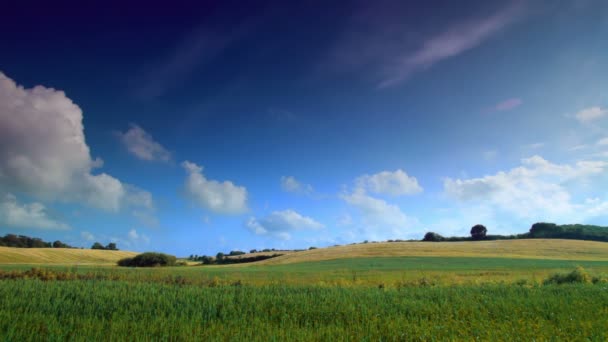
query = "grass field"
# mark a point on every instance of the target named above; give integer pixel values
(525, 248)
(494, 291)
(9, 255)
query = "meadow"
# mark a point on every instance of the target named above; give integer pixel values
(360, 297)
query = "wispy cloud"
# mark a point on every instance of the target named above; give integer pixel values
(141, 144)
(508, 104)
(452, 42)
(385, 47)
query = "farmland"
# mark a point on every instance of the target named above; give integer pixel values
(47, 256)
(359, 292)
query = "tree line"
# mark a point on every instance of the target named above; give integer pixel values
(539, 230)
(22, 241)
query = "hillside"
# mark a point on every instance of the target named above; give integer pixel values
(554, 249)
(68, 256)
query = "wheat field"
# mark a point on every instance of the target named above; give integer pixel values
(61, 256)
(553, 249)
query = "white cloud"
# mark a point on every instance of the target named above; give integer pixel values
(33, 215)
(603, 142)
(280, 223)
(218, 197)
(141, 144)
(591, 114)
(396, 183)
(537, 190)
(87, 236)
(379, 217)
(43, 152)
(291, 184)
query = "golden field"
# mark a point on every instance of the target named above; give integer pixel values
(60, 256)
(552, 249)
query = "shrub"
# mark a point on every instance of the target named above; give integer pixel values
(578, 276)
(149, 259)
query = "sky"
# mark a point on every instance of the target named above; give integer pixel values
(207, 126)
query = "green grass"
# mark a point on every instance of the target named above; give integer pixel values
(390, 272)
(362, 298)
(116, 310)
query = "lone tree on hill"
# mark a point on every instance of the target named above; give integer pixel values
(478, 232)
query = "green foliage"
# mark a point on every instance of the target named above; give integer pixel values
(569, 231)
(234, 253)
(578, 276)
(97, 245)
(149, 259)
(110, 246)
(434, 237)
(478, 232)
(22, 241)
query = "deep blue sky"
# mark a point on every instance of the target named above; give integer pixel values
(228, 126)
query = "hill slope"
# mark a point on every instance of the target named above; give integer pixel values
(554, 249)
(10, 255)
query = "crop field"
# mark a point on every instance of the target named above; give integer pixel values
(46, 256)
(361, 297)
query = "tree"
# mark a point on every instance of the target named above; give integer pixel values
(111, 246)
(431, 236)
(149, 259)
(97, 245)
(478, 232)
(219, 257)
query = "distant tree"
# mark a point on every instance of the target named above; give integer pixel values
(219, 257)
(206, 260)
(253, 251)
(97, 245)
(233, 253)
(111, 247)
(59, 244)
(149, 259)
(478, 232)
(311, 248)
(431, 236)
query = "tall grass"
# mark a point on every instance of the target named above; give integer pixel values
(115, 310)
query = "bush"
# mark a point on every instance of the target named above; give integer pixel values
(149, 259)
(578, 276)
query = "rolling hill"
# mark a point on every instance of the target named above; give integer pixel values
(553, 249)
(61, 256)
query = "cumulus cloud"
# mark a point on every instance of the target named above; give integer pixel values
(141, 144)
(394, 183)
(291, 184)
(536, 190)
(281, 223)
(33, 215)
(591, 114)
(43, 152)
(380, 219)
(219, 197)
